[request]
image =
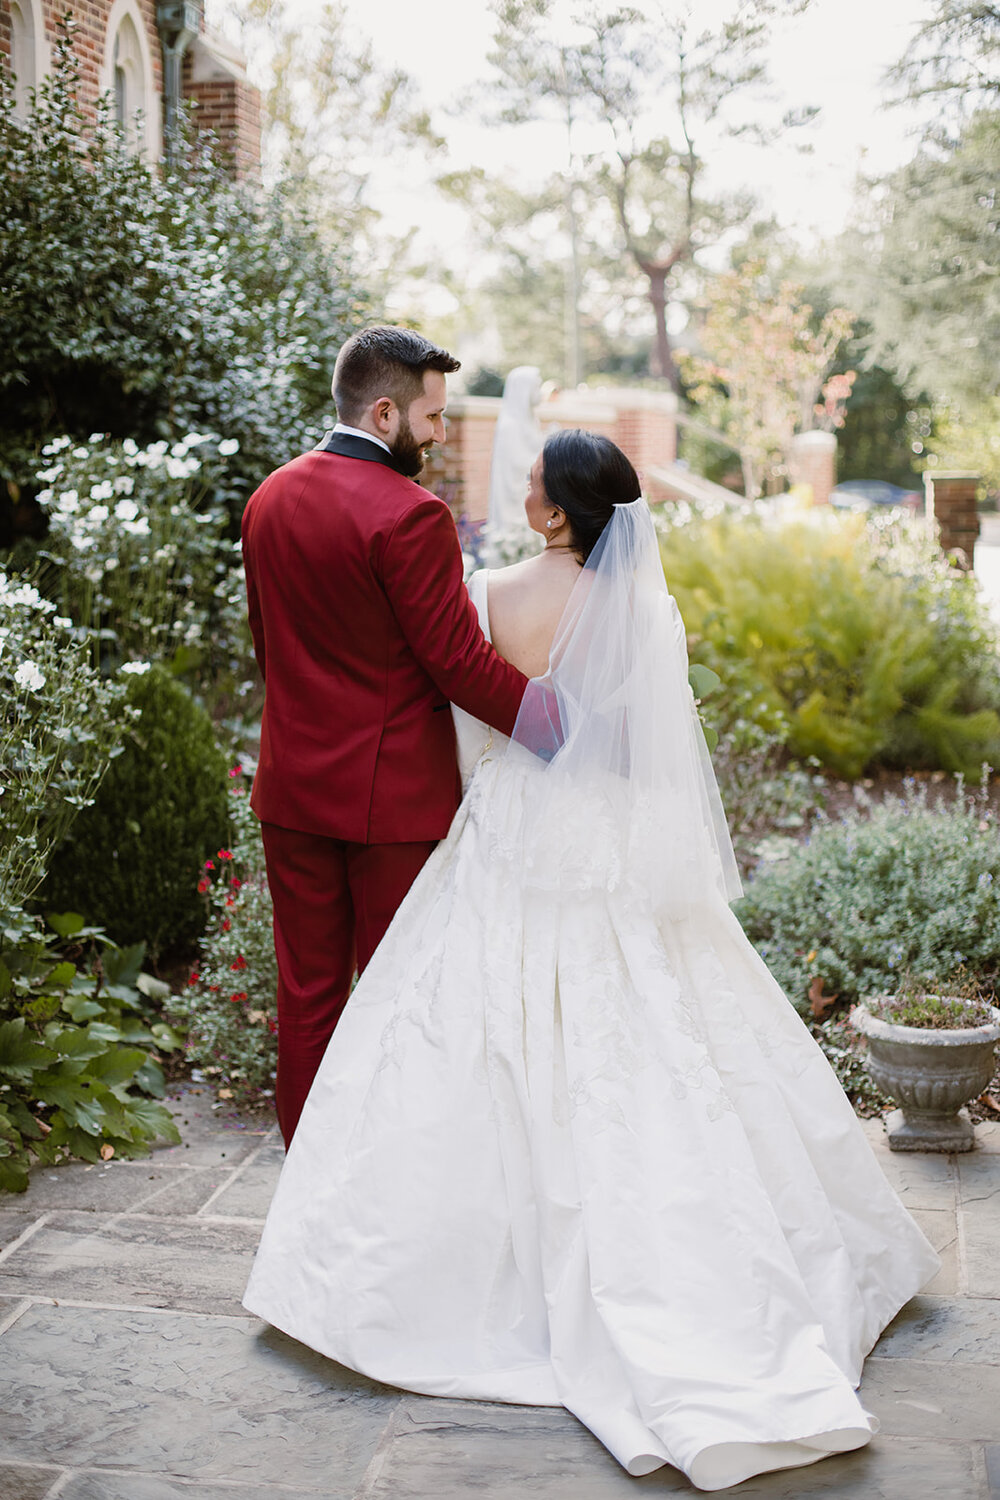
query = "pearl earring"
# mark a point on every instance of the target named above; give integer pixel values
(548, 523)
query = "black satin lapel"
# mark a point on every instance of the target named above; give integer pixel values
(348, 446)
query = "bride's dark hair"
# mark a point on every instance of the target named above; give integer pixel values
(586, 475)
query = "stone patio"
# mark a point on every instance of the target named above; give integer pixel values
(129, 1370)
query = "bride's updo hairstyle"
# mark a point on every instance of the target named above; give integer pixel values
(586, 476)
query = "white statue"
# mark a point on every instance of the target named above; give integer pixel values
(516, 445)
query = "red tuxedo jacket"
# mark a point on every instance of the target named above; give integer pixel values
(364, 633)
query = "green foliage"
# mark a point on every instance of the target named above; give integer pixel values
(150, 303)
(867, 646)
(132, 858)
(845, 1051)
(910, 888)
(61, 723)
(229, 1005)
(931, 1012)
(929, 270)
(78, 1038)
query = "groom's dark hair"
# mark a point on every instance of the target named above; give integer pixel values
(385, 361)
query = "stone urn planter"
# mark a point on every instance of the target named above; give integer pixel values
(930, 1070)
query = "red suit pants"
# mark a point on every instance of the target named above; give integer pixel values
(332, 904)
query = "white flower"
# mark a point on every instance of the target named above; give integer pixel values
(124, 484)
(69, 501)
(135, 668)
(81, 452)
(63, 621)
(43, 497)
(96, 437)
(137, 528)
(228, 446)
(29, 676)
(102, 491)
(130, 446)
(126, 510)
(49, 476)
(182, 468)
(99, 513)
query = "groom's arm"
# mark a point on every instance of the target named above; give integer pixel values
(421, 569)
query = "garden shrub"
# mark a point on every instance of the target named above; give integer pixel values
(134, 549)
(131, 860)
(869, 649)
(229, 1006)
(148, 301)
(78, 1038)
(908, 888)
(60, 726)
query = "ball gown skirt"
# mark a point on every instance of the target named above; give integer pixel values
(568, 1147)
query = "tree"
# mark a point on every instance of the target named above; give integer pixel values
(618, 72)
(330, 114)
(929, 270)
(145, 304)
(954, 57)
(762, 373)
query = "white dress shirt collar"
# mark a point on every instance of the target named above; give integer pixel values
(357, 432)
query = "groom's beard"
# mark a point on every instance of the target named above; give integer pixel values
(409, 455)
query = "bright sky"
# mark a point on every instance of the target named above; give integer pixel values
(833, 56)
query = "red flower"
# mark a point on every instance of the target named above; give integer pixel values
(203, 884)
(235, 884)
(209, 865)
(214, 988)
(240, 995)
(230, 901)
(195, 976)
(226, 924)
(224, 854)
(272, 1026)
(236, 771)
(239, 962)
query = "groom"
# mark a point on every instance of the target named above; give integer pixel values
(364, 634)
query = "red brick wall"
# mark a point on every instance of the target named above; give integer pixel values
(641, 423)
(91, 35)
(230, 110)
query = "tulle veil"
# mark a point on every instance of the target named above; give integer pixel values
(611, 743)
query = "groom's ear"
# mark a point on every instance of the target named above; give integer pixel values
(382, 412)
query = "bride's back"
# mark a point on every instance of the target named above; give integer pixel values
(526, 602)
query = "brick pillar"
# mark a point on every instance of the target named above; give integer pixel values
(950, 506)
(812, 461)
(461, 469)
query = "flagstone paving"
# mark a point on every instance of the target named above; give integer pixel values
(130, 1371)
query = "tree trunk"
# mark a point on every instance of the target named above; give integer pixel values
(662, 363)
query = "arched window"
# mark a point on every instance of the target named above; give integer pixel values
(127, 75)
(27, 50)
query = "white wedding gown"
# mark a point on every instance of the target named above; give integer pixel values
(565, 1151)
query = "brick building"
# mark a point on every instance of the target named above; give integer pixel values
(146, 54)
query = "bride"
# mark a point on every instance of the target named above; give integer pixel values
(570, 1144)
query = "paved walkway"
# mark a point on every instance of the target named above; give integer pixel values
(129, 1371)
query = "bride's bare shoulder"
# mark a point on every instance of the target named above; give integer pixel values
(526, 603)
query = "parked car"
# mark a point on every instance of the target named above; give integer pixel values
(869, 494)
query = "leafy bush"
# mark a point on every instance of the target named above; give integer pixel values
(230, 1004)
(135, 540)
(77, 1038)
(132, 858)
(867, 646)
(61, 724)
(911, 888)
(148, 302)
